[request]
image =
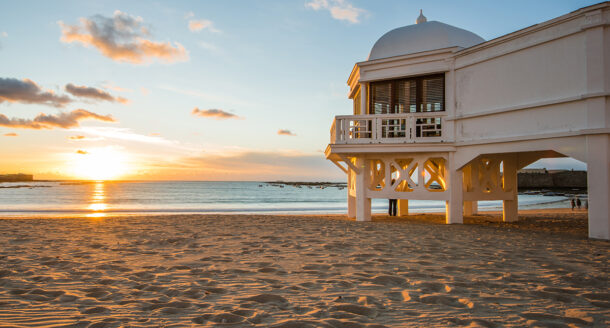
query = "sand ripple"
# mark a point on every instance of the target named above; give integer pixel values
(283, 271)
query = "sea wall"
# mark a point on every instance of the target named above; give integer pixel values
(550, 179)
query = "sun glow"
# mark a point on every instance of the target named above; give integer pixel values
(99, 164)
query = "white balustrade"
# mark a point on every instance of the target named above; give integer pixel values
(388, 128)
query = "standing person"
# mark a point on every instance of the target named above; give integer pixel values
(392, 207)
(573, 203)
(578, 202)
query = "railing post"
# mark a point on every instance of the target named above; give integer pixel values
(378, 135)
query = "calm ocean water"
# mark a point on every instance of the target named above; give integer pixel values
(100, 198)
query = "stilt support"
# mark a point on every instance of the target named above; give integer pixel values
(510, 208)
(403, 207)
(455, 205)
(363, 204)
(598, 180)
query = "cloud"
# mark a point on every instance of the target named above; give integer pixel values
(122, 38)
(218, 114)
(92, 93)
(285, 133)
(125, 134)
(339, 9)
(11, 134)
(62, 120)
(28, 92)
(4, 34)
(82, 152)
(83, 138)
(196, 25)
(109, 85)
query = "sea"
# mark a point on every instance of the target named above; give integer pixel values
(101, 198)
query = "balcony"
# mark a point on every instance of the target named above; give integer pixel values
(424, 127)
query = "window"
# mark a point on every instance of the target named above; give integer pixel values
(418, 94)
(381, 97)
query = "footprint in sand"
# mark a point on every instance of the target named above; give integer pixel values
(354, 309)
(386, 280)
(95, 310)
(267, 299)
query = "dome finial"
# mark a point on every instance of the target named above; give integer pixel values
(421, 18)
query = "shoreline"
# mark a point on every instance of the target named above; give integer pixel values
(562, 221)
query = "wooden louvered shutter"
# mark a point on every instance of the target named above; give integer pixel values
(381, 97)
(405, 97)
(433, 94)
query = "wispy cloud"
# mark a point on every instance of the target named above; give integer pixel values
(339, 9)
(28, 92)
(83, 138)
(122, 38)
(61, 120)
(11, 134)
(196, 25)
(111, 86)
(218, 114)
(82, 152)
(93, 93)
(284, 132)
(124, 134)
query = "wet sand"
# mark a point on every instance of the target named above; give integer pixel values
(303, 271)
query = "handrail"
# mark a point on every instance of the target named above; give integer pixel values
(389, 128)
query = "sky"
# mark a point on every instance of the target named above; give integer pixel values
(201, 90)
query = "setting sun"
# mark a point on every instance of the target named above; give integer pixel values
(99, 164)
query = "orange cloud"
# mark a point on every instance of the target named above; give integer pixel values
(285, 133)
(82, 152)
(122, 38)
(11, 134)
(218, 114)
(62, 120)
(28, 92)
(92, 93)
(198, 25)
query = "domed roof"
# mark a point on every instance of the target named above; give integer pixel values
(423, 36)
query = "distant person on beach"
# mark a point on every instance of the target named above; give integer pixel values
(392, 207)
(578, 202)
(392, 204)
(573, 202)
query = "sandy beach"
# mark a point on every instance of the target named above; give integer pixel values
(303, 271)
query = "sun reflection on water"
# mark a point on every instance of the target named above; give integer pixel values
(97, 202)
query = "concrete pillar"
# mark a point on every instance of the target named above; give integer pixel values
(363, 204)
(364, 86)
(454, 207)
(510, 208)
(403, 207)
(351, 200)
(471, 207)
(598, 181)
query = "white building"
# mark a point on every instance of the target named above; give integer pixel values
(441, 114)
